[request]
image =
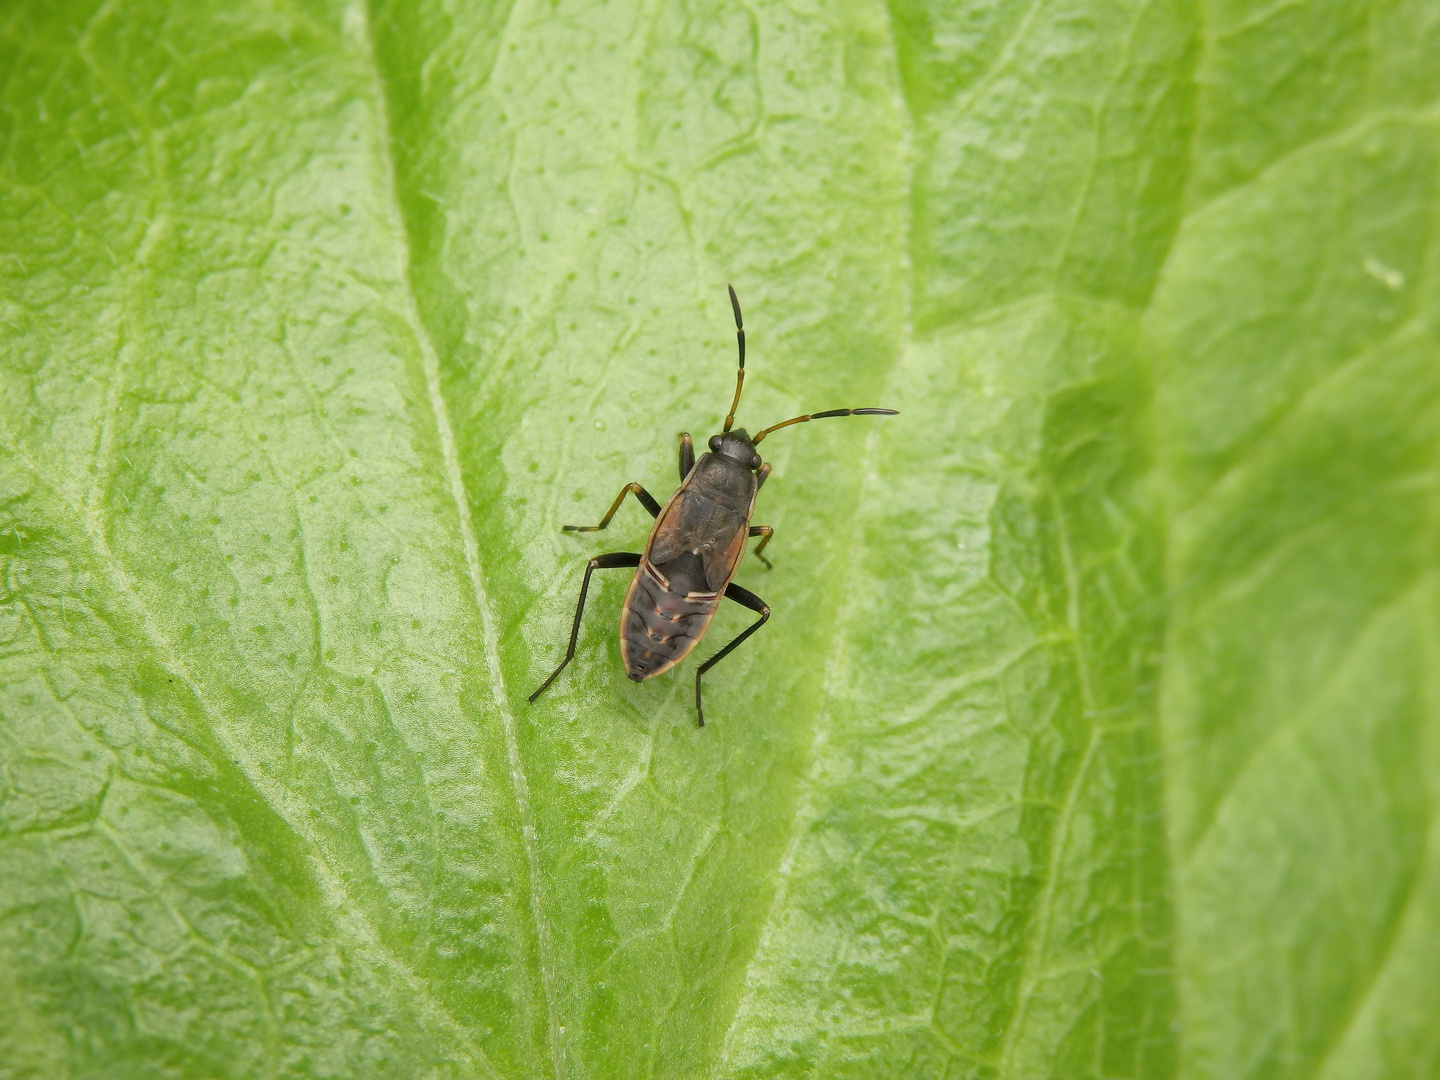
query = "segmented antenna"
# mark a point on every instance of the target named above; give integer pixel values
(739, 375)
(822, 416)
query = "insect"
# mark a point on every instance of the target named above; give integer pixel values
(694, 549)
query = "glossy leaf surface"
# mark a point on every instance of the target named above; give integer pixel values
(1094, 731)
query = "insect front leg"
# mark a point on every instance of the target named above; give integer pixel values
(767, 532)
(646, 500)
(754, 603)
(601, 562)
(687, 455)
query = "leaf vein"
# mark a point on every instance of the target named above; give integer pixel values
(1039, 926)
(1297, 716)
(347, 912)
(1408, 902)
(456, 483)
(1429, 113)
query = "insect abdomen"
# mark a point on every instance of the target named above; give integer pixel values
(659, 626)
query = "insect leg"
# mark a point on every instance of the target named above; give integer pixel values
(646, 500)
(754, 603)
(762, 476)
(767, 532)
(687, 454)
(601, 562)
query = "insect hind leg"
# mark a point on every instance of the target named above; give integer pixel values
(614, 560)
(754, 603)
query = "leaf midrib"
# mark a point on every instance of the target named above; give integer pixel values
(519, 784)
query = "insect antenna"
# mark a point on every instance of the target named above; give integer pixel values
(740, 374)
(824, 415)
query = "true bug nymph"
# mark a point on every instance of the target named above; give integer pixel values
(694, 549)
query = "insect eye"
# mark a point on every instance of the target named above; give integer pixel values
(715, 443)
(755, 462)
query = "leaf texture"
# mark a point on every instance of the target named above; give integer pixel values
(1093, 734)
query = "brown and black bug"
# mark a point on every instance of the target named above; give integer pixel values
(694, 549)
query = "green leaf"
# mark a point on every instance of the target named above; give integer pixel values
(1094, 733)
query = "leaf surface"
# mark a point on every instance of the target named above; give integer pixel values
(1093, 733)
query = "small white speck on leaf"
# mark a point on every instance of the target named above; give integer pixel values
(1388, 276)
